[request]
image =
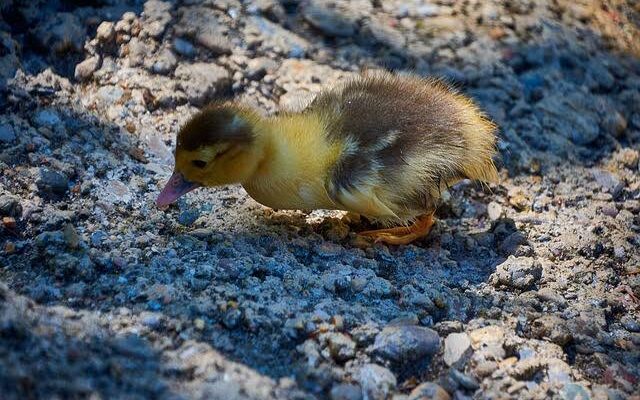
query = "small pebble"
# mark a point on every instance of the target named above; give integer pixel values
(494, 210)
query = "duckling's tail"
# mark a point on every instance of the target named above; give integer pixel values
(480, 137)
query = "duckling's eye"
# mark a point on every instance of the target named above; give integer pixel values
(199, 163)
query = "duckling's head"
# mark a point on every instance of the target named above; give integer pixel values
(217, 146)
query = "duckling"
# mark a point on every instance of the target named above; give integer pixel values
(381, 145)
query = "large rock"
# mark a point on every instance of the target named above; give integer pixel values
(203, 25)
(457, 349)
(51, 183)
(405, 343)
(201, 82)
(335, 18)
(275, 38)
(157, 17)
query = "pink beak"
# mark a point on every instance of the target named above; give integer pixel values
(176, 186)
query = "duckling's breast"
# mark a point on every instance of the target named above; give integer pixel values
(296, 166)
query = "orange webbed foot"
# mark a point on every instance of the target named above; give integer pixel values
(402, 235)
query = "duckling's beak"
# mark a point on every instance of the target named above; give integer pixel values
(176, 187)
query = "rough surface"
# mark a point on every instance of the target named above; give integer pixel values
(527, 289)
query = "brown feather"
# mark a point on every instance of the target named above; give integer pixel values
(412, 136)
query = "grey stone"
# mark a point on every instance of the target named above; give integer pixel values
(52, 182)
(365, 334)
(164, 63)
(427, 10)
(150, 319)
(627, 321)
(518, 273)
(49, 239)
(332, 17)
(189, 216)
(202, 81)
(405, 343)
(383, 33)
(377, 382)
(608, 181)
(157, 17)
(494, 210)
(204, 26)
(278, 39)
(214, 42)
(86, 68)
(106, 32)
(184, 47)
(457, 349)
(138, 51)
(511, 243)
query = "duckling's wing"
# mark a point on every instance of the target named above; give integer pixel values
(403, 140)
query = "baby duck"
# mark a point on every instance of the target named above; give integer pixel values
(381, 145)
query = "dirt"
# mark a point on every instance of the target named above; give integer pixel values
(525, 289)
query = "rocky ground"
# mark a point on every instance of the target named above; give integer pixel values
(528, 289)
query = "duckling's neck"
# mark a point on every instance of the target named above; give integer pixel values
(296, 156)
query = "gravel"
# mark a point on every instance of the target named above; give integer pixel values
(525, 289)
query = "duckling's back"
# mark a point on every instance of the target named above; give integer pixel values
(403, 139)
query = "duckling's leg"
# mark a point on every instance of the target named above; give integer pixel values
(402, 234)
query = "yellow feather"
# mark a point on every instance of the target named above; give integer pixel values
(296, 164)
